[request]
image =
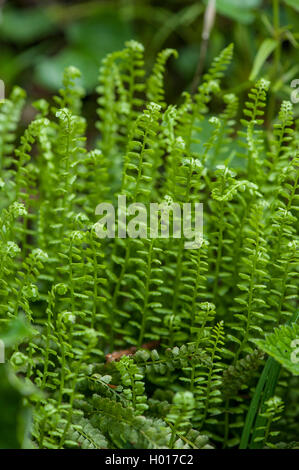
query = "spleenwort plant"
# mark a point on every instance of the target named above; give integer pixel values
(145, 342)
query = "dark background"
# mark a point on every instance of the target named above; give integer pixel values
(39, 38)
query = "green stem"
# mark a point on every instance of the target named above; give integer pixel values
(265, 389)
(276, 32)
(277, 56)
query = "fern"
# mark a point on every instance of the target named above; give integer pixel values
(155, 86)
(150, 341)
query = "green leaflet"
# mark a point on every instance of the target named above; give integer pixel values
(292, 3)
(282, 345)
(266, 48)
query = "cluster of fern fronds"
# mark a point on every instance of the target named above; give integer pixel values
(142, 342)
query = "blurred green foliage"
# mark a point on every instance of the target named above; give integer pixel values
(39, 39)
(15, 416)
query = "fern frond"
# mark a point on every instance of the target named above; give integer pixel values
(155, 85)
